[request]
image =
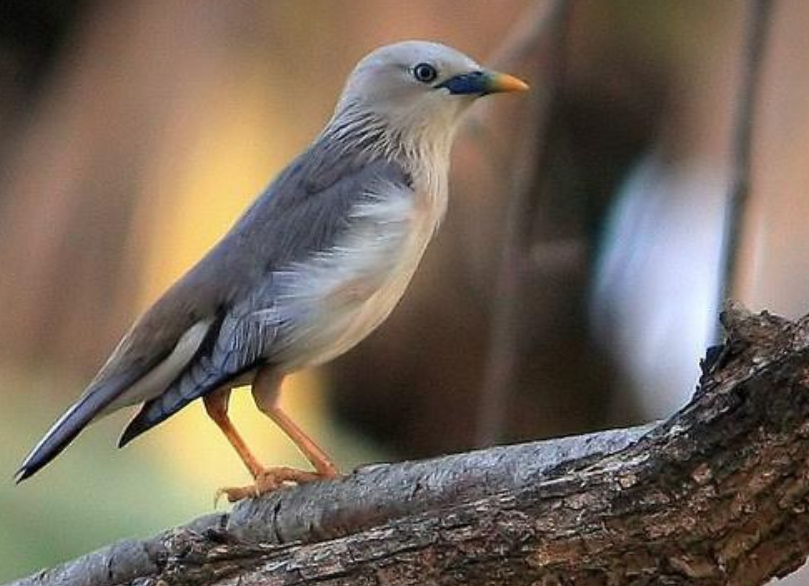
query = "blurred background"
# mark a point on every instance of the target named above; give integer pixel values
(132, 134)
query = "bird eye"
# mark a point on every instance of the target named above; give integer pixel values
(425, 73)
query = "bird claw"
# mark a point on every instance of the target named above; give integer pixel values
(267, 481)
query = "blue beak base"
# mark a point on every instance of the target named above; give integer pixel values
(466, 84)
(480, 83)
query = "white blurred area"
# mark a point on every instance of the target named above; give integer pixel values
(654, 303)
(655, 293)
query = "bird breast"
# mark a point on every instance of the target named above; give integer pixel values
(332, 301)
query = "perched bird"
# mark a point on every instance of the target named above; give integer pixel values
(314, 265)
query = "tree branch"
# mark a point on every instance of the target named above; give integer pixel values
(715, 495)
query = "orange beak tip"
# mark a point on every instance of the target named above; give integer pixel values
(503, 82)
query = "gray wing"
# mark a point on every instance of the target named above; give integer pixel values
(293, 223)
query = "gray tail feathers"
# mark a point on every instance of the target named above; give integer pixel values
(64, 431)
(201, 378)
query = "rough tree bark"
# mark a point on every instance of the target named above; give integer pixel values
(715, 495)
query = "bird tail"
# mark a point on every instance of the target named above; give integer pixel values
(64, 431)
(201, 378)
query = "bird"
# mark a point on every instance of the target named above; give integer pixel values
(315, 264)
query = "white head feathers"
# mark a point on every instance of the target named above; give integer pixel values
(416, 91)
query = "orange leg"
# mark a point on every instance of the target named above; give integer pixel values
(313, 452)
(266, 387)
(216, 405)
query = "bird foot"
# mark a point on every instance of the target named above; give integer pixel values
(268, 480)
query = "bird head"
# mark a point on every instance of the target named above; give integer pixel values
(419, 89)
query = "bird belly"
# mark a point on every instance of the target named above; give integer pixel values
(357, 312)
(351, 291)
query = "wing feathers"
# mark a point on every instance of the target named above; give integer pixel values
(160, 377)
(198, 380)
(241, 343)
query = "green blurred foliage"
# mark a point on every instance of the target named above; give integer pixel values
(94, 496)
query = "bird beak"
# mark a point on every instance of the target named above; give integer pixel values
(482, 83)
(503, 82)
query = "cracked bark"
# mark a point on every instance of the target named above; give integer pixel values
(717, 494)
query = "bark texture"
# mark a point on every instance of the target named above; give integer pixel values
(715, 495)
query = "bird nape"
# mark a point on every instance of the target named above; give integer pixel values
(315, 264)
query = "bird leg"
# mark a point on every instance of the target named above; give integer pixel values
(266, 387)
(216, 405)
(314, 453)
(267, 479)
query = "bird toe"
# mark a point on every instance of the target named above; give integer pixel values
(267, 481)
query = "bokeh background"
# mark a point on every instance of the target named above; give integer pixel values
(132, 134)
